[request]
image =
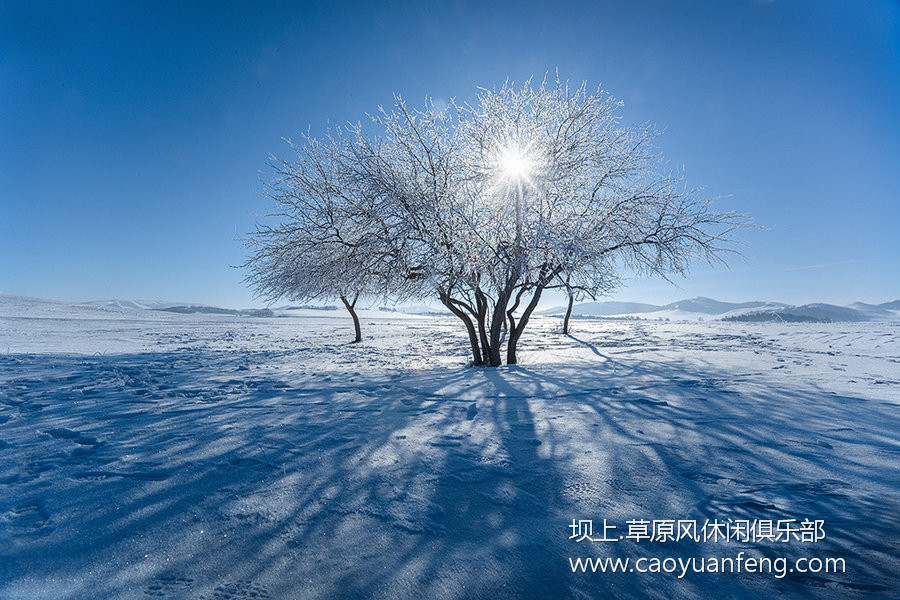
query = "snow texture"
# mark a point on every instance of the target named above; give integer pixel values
(147, 454)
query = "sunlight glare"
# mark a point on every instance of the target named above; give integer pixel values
(514, 164)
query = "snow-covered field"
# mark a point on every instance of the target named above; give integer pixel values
(147, 454)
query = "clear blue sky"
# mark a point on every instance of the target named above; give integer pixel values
(132, 133)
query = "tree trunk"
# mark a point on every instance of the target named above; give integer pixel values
(482, 307)
(350, 307)
(477, 358)
(497, 321)
(568, 314)
(516, 332)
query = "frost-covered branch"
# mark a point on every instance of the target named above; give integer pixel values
(484, 205)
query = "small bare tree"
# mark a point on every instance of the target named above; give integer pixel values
(574, 292)
(319, 249)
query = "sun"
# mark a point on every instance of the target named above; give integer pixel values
(514, 164)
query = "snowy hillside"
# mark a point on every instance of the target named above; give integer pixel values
(819, 313)
(26, 307)
(602, 309)
(693, 309)
(700, 308)
(215, 456)
(708, 306)
(143, 304)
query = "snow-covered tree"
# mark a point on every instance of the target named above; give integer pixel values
(528, 187)
(485, 206)
(319, 248)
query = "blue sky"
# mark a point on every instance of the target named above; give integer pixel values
(132, 133)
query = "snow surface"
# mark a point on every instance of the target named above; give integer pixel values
(147, 454)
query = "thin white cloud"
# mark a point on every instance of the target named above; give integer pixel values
(823, 265)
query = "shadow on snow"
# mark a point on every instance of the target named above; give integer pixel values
(176, 475)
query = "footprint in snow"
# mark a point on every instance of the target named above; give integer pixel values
(701, 477)
(30, 519)
(68, 434)
(240, 590)
(166, 587)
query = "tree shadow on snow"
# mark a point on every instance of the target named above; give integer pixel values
(188, 475)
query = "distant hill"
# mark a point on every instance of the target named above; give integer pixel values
(815, 313)
(214, 310)
(603, 309)
(772, 316)
(415, 310)
(700, 308)
(141, 304)
(706, 308)
(699, 305)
